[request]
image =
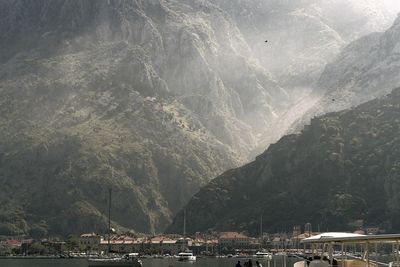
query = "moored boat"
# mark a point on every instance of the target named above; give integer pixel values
(186, 256)
(264, 254)
(394, 264)
(129, 260)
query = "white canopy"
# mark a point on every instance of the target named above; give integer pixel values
(329, 235)
(350, 238)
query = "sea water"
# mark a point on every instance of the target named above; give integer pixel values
(166, 262)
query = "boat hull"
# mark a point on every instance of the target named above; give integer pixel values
(264, 255)
(190, 258)
(186, 256)
(112, 263)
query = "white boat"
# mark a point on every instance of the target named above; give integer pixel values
(126, 261)
(186, 256)
(264, 254)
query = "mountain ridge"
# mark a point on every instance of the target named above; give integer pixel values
(168, 94)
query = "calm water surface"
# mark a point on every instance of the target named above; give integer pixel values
(201, 262)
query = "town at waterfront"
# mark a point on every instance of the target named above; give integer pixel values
(163, 245)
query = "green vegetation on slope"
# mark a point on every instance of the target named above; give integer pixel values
(342, 168)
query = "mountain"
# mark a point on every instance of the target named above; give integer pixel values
(304, 35)
(365, 69)
(149, 98)
(342, 168)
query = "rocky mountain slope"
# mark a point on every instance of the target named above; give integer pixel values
(365, 69)
(342, 168)
(150, 98)
(163, 93)
(304, 35)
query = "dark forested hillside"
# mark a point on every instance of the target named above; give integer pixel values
(342, 168)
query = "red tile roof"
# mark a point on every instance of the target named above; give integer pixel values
(13, 243)
(231, 235)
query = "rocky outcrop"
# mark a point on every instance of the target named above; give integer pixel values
(365, 69)
(304, 35)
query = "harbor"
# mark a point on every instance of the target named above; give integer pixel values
(330, 249)
(223, 261)
(150, 262)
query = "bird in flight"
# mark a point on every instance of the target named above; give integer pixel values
(266, 41)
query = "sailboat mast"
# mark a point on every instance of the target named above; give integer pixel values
(109, 220)
(261, 232)
(109, 213)
(184, 223)
(184, 231)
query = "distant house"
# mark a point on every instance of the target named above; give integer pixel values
(91, 240)
(122, 244)
(163, 245)
(12, 243)
(359, 231)
(372, 230)
(233, 240)
(295, 240)
(183, 243)
(303, 236)
(154, 245)
(56, 245)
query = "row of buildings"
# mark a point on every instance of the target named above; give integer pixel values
(212, 243)
(216, 243)
(225, 242)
